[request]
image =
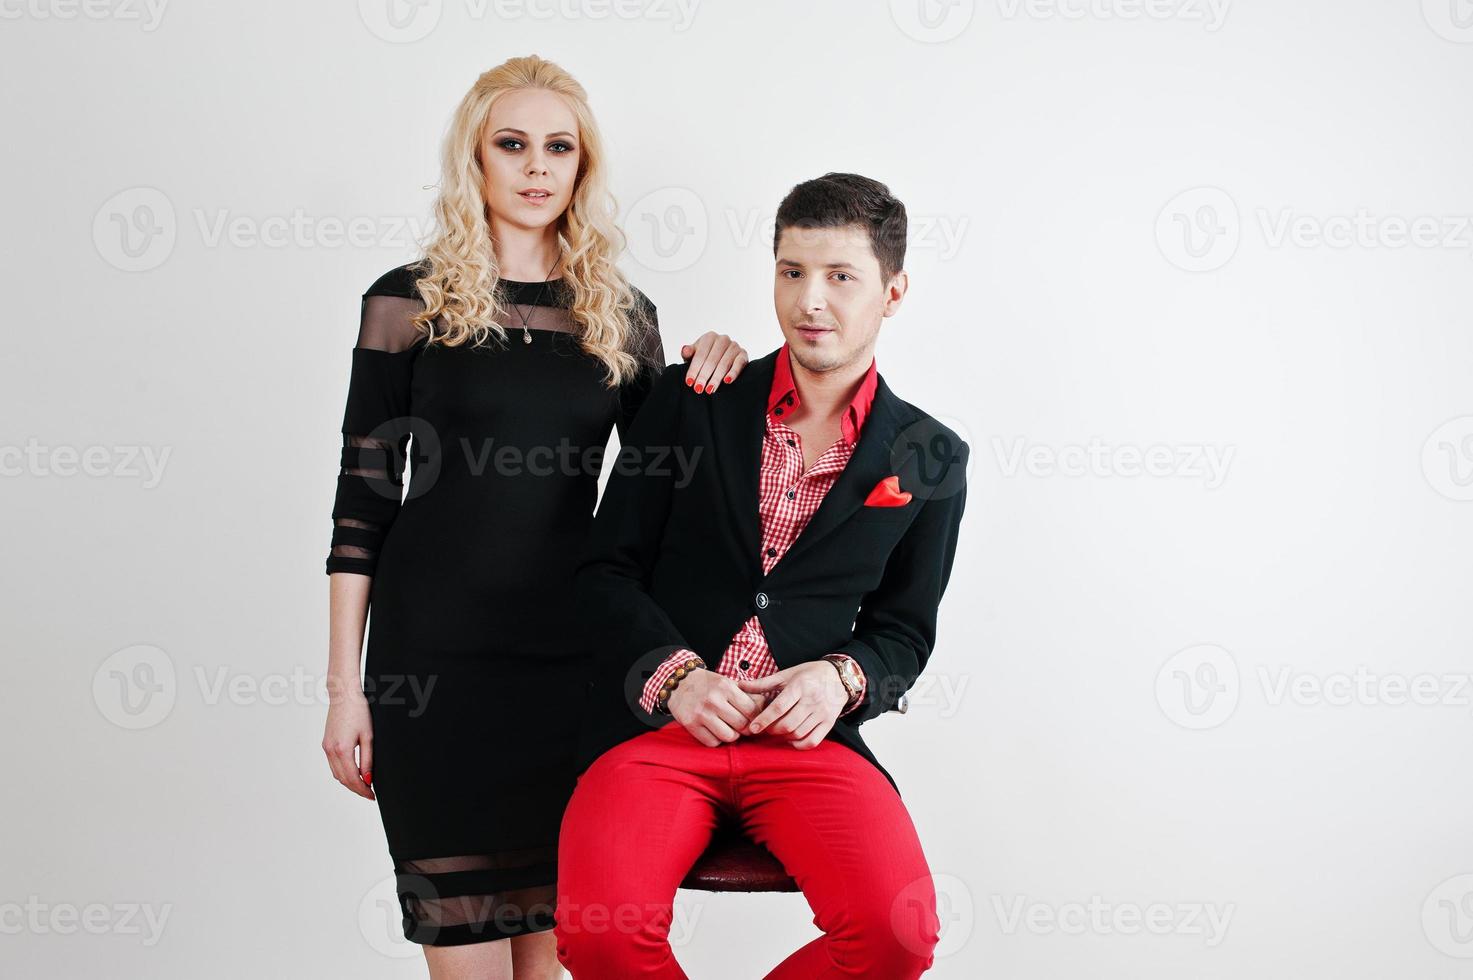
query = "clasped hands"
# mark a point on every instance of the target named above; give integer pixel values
(800, 704)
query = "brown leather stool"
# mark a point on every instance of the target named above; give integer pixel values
(735, 863)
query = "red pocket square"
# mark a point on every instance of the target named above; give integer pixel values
(887, 493)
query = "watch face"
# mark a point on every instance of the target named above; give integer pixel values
(849, 675)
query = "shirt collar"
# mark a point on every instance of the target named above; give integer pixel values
(783, 400)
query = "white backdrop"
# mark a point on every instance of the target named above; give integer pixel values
(1192, 277)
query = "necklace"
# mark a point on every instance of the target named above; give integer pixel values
(527, 317)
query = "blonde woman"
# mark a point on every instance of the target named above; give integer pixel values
(498, 363)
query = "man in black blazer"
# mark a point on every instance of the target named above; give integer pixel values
(748, 611)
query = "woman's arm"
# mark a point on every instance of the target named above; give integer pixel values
(369, 493)
(349, 726)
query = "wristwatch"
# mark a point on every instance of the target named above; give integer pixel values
(849, 676)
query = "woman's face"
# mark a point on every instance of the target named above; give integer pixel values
(529, 155)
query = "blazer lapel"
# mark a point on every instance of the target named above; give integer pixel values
(875, 457)
(738, 445)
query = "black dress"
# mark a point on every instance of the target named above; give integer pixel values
(473, 674)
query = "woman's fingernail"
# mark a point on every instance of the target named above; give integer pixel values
(368, 778)
(728, 379)
(690, 381)
(699, 389)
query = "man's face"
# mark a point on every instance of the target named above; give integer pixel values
(830, 295)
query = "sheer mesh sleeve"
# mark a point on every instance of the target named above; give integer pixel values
(649, 349)
(375, 423)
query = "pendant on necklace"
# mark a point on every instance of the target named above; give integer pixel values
(526, 337)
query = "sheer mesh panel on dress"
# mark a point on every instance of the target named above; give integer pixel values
(386, 323)
(536, 318)
(375, 432)
(479, 896)
(645, 344)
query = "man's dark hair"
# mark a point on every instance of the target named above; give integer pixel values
(837, 200)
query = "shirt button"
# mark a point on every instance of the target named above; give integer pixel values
(762, 600)
(771, 552)
(778, 410)
(792, 494)
(745, 665)
(791, 443)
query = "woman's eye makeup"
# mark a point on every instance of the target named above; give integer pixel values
(512, 144)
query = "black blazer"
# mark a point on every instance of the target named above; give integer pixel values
(673, 558)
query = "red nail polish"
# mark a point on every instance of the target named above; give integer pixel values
(368, 778)
(690, 381)
(699, 389)
(728, 379)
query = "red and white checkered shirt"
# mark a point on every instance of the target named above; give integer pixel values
(789, 498)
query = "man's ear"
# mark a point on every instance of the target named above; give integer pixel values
(895, 291)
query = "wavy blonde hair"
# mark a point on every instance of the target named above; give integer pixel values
(459, 272)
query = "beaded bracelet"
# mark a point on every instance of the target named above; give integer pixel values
(673, 681)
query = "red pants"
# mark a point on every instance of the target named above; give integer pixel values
(645, 810)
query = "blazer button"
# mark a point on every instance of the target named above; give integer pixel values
(762, 600)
